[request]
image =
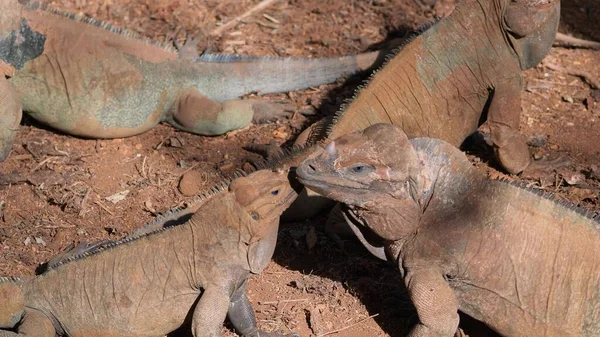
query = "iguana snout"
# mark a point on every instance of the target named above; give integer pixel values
(361, 169)
(264, 194)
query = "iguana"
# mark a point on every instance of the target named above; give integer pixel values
(91, 79)
(193, 273)
(456, 74)
(506, 254)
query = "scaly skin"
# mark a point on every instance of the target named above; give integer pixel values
(516, 259)
(90, 79)
(149, 285)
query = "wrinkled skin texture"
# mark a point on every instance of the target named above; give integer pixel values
(87, 81)
(195, 270)
(522, 263)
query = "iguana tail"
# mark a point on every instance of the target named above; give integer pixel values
(277, 74)
(13, 302)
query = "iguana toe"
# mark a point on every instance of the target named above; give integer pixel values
(270, 111)
(547, 164)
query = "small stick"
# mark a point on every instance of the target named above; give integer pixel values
(570, 41)
(259, 7)
(584, 75)
(97, 202)
(282, 301)
(348, 327)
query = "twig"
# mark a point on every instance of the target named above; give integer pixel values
(579, 73)
(348, 327)
(570, 41)
(282, 301)
(259, 7)
(97, 202)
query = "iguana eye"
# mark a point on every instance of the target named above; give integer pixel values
(274, 192)
(361, 169)
(255, 215)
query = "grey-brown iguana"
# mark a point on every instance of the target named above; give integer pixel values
(511, 256)
(90, 79)
(152, 284)
(460, 72)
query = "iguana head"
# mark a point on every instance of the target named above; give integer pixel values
(375, 173)
(530, 27)
(264, 195)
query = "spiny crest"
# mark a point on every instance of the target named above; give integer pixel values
(286, 155)
(226, 58)
(583, 211)
(388, 58)
(218, 188)
(33, 5)
(10, 279)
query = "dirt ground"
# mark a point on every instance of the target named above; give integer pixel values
(56, 189)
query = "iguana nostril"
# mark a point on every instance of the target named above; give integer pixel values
(312, 168)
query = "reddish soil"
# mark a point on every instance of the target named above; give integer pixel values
(56, 189)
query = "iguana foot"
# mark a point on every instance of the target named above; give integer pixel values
(547, 164)
(270, 111)
(189, 50)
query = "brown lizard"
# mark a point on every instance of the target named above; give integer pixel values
(460, 72)
(510, 256)
(91, 79)
(152, 284)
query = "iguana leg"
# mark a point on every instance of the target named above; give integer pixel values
(509, 144)
(435, 302)
(10, 116)
(503, 118)
(241, 315)
(33, 324)
(196, 113)
(210, 312)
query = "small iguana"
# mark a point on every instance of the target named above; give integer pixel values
(510, 256)
(90, 79)
(152, 284)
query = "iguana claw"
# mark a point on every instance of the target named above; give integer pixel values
(270, 111)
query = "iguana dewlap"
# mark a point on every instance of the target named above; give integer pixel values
(88, 78)
(511, 256)
(151, 284)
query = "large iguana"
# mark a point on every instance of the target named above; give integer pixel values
(88, 78)
(152, 284)
(508, 255)
(460, 72)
